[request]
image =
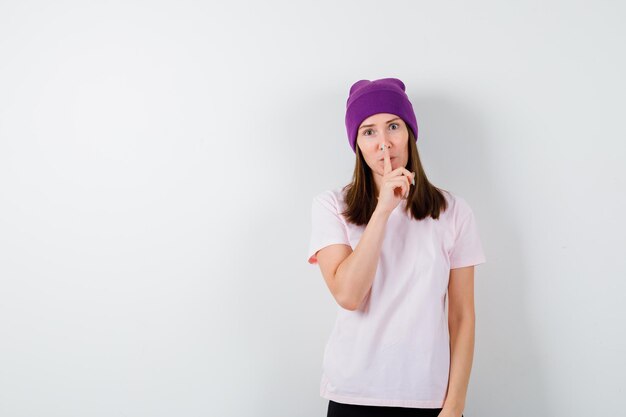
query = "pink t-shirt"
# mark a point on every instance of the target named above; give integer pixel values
(394, 349)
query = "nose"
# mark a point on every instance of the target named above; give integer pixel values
(384, 143)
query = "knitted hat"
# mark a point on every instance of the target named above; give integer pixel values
(367, 98)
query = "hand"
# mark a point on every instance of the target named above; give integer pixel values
(395, 185)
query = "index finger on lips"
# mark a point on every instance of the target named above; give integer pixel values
(387, 168)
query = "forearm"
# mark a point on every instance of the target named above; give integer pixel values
(356, 273)
(461, 357)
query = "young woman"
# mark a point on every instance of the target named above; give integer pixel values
(392, 249)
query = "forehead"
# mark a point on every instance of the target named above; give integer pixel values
(379, 118)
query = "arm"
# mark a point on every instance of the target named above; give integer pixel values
(461, 322)
(349, 274)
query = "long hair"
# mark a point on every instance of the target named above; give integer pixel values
(360, 194)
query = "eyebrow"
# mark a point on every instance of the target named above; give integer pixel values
(364, 126)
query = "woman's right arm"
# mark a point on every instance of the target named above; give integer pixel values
(349, 274)
(354, 271)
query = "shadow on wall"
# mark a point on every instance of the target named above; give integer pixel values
(507, 372)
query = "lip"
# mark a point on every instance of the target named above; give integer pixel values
(382, 159)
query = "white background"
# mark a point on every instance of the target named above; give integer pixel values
(158, 162)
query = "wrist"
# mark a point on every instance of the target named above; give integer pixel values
(453, 408)
(381, 211)
(378, 212)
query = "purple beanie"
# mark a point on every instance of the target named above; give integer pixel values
(367, 98)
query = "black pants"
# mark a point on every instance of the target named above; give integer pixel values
(352, 410)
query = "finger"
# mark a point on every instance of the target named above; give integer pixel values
(387, 167)
(403, 171)
(401, 183)
(409, 175)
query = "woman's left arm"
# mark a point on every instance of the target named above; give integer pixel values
(461, 322)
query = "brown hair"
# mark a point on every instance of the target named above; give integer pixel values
(360, 195)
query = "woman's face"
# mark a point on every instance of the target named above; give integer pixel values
(387, 129)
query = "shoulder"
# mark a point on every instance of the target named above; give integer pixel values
(458, 207)
(328, 207)
(332, 197)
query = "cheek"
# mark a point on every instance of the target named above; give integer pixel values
(368, 149)
(401, 134)
(374, 153)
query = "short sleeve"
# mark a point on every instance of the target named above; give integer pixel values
(467, 249)
(327, 225)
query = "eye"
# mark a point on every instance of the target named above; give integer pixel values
(365, 132)
(395, 124)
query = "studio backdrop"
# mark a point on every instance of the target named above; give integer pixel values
(158, 161)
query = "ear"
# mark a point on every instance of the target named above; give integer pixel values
(358, 85)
